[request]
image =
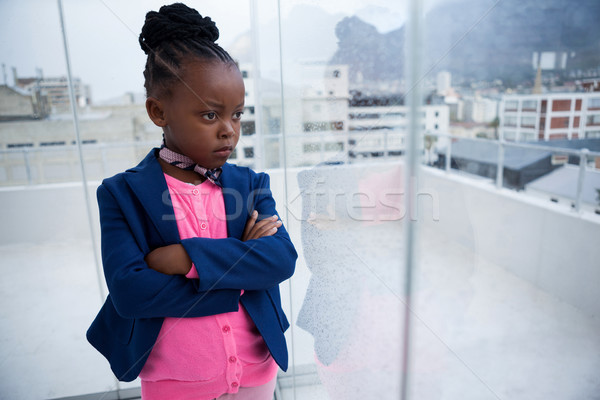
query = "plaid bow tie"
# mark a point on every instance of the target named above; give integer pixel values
(184, 162)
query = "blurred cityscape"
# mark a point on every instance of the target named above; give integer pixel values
(336, 116)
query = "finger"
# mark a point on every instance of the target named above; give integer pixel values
(265, 221)
(250, 224)
(266, 229)
(270, 231)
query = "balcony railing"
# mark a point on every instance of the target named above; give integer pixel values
(583, 154)
(28, 166)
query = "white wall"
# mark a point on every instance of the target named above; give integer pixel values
(554, 248)
(550, 246)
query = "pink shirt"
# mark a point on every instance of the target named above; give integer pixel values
(208, 356)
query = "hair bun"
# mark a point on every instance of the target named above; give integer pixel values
(175, 22)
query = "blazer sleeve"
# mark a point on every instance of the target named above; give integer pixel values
(251, 265)
(138, 291)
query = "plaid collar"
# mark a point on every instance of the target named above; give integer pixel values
(184, 162)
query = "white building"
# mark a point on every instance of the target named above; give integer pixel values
(377, 131)
(325, 97)
(337, 128)
(550, 116)
(57, 91)
(322, 124)
(245, 151)
(19, 104)
(480, 109)
(443, 82)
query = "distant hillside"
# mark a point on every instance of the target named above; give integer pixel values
(370, 55)
(476, 40)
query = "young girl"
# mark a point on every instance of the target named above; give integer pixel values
(192, 247)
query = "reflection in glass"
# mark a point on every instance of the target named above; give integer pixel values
(351, 238)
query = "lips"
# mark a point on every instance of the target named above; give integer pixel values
(224, 151)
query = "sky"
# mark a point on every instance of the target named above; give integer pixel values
(103, 34)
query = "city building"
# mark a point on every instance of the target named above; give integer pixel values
(325, 114)
(549, 116)
(325, 122)
(480, 157)
(378, 127)
(443, 82)
(560, 186)
(479, 109)
(589, 84)
(244, 154)
(57, 91)
(592, 145)
(473, 130)
(341, 125)
(19, 104)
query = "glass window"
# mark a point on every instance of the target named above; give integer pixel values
(593, 119)
(592, 134)
(510, 135)
(510, 120)
(527, 136)
(511, 105)
(248, 128)
(470, 263)
(529, 105)
(311, 147)
(594, 102)
(528, 122)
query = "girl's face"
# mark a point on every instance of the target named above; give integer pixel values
(201, 117)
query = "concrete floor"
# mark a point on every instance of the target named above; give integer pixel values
(479, 332)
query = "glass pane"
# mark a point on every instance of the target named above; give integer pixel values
(39, 160)
(504, 273)
(338, 139)
(114, 121)
(50, 286)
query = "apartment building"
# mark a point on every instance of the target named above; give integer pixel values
(330, 123)
(378, 128)
(325, 102)
(19, 104)
(550, 116)
(56, 89)
(340, 125)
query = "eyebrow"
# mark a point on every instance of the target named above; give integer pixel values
(213, 104)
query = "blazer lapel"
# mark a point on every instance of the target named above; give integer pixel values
(148, 183)
(235, 201)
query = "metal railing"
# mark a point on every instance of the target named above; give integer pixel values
(583, 154)
(53, 164)
(110, 158)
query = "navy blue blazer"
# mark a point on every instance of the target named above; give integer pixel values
(136, 217)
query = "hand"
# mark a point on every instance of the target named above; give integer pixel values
(170, 260)
(264, 227)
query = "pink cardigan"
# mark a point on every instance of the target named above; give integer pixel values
(205, 357)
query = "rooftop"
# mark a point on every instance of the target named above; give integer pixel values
(494, 315)
(563, 182)
(486, 152)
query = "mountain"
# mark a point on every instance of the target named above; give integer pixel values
(478, 40)
(383, 18)
(501, 36)
(371, 56)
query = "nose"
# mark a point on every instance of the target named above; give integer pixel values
(227, 129)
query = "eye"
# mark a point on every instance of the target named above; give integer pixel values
(210, 116)
(238, 115)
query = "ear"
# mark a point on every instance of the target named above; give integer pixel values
(156, 111)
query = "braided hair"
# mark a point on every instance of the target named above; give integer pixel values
(170, 36)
